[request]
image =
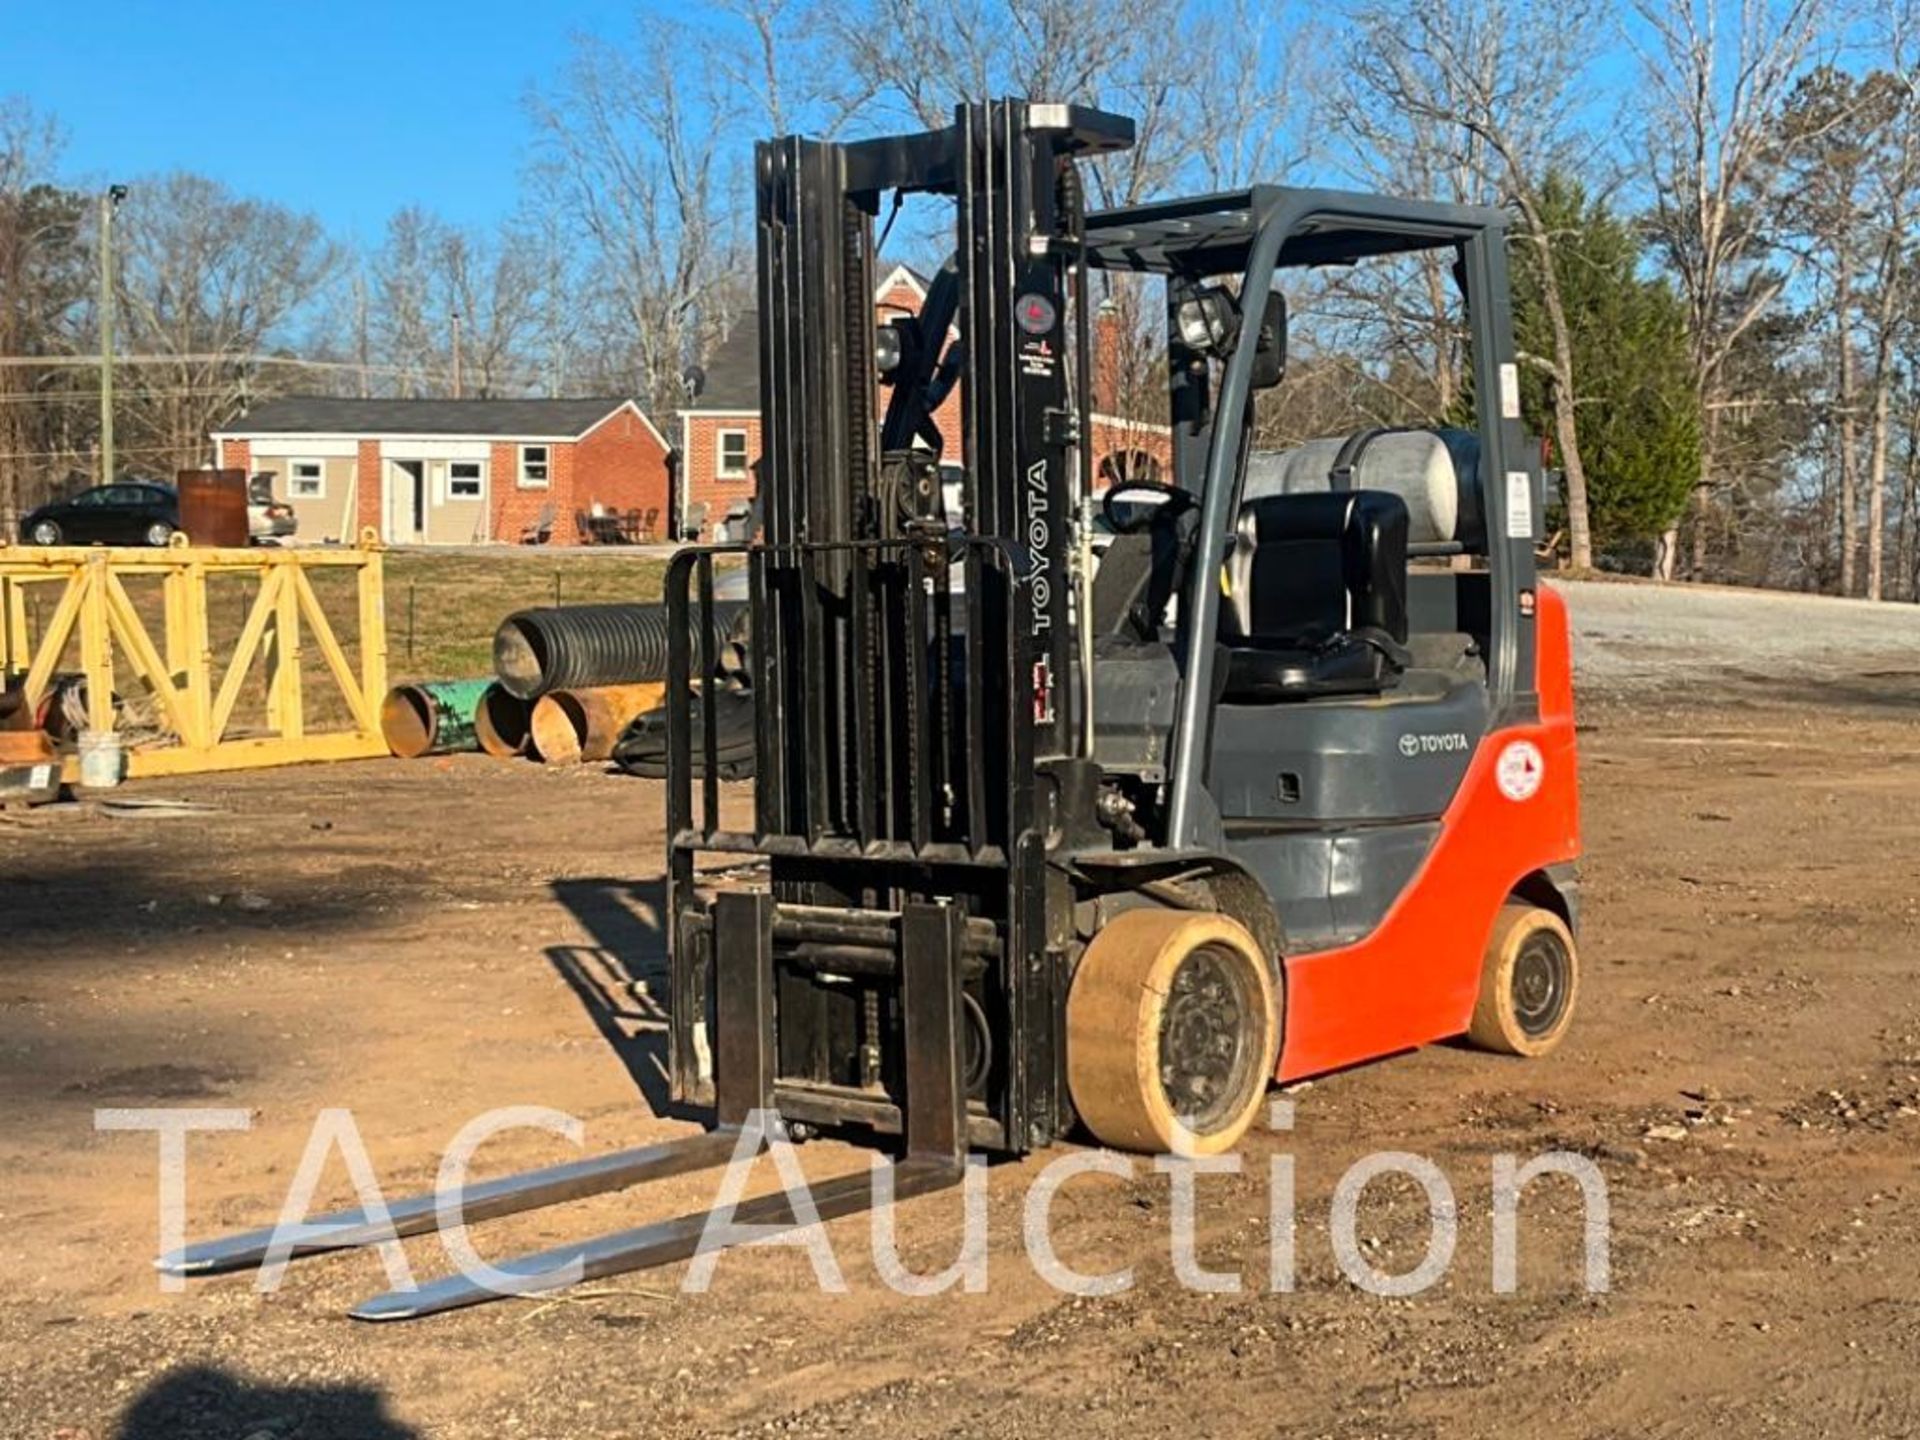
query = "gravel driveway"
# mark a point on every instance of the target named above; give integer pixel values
(1633, 636)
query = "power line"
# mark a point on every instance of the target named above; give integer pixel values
(87, 453)
(62, 397)
(209, 357)
(227, 357)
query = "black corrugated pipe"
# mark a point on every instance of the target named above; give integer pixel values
(569, 647)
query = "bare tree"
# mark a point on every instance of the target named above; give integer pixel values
(1407, 311)
(43, 284)
(1209, 91)
(1894, 202)
(401, 299)
(214, 281)
(640, 149)
(492, 284)
(1825, 129)
(1496, 86)
(559, 321)
(1718, 73)
(431, 280)
(785, 56)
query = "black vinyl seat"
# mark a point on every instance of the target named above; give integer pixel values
(1317, 596)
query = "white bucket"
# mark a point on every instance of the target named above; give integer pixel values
(101, 759)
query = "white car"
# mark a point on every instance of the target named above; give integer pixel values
(268, 520)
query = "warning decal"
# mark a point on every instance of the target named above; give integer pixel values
(1519, 770)
(1519, 505)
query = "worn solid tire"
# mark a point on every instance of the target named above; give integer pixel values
(1497, 1024)
(1114, 1011)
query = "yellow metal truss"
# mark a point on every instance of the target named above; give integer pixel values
(194, 697)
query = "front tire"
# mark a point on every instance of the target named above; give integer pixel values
(45, 532)
(158, 534)
(1529, 981)
(1172, 1026)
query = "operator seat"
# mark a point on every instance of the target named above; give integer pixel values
(1317, 596)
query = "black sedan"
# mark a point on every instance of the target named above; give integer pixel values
(127, 512)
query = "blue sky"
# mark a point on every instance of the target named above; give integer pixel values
(347, 108)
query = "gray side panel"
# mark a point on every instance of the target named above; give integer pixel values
(1332, 762)
(1334, 889)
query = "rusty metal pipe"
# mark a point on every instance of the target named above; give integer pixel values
(431, 718)
(501, 722)
(569, 726)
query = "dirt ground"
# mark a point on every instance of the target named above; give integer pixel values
(420, 942)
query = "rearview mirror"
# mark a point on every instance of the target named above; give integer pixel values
(1270, 349)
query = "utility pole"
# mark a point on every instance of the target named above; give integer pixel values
(109, 202)
(456, 354)
(360, 331)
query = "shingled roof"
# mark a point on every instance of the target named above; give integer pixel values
(733, 371)
(497, 419)
(733, 367)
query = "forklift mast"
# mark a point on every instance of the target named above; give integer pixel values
(907, 757)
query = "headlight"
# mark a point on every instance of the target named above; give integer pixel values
(886, 349)
(1209, 321)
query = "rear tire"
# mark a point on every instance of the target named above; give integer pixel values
(1529, 981)
(46, 532)
(1172, 1025)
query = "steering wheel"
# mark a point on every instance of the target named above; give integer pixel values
(1148, 502)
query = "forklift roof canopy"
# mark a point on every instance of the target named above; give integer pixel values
(1204, 235)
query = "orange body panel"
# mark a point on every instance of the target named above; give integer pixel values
(1415, 977)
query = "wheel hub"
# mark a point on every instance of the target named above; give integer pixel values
(1205, 1059)
(1540, 973)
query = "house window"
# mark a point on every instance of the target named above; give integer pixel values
(533, 467)
(463, 480)
(306, 480)
(731, 447)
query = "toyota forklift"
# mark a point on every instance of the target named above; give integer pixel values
(1043, 849)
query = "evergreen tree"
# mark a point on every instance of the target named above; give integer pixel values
(1638, 421)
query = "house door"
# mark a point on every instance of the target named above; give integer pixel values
(406, 517)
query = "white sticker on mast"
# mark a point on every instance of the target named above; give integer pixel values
(1510, 392)
(1519, 505)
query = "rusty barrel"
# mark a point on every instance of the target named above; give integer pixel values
(213, 506)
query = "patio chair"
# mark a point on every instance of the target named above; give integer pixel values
(541, 530)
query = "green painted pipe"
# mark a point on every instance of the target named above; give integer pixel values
(434, 717)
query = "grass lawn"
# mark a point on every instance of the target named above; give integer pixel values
(442, 610)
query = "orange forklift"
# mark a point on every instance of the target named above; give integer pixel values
(1041, 848)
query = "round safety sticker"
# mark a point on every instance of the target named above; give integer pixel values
(1519, 770)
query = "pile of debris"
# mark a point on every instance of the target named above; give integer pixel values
(29, 765)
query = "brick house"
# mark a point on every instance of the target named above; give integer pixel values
(720, 431)
(453, 472)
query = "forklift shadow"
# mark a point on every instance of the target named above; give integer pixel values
(622, 979)
(200, 1400)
